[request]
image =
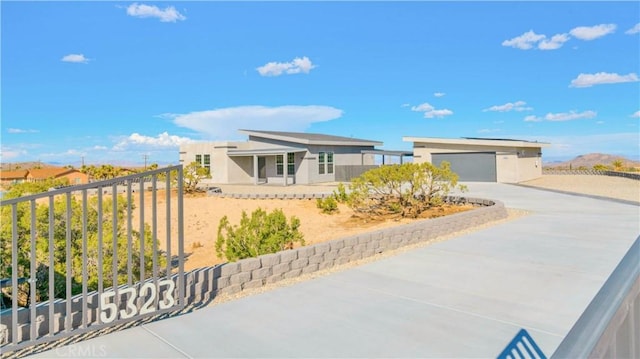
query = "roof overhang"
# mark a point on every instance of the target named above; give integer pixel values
(387, 152)
(477, 142)
(308, 141)
(265, 151)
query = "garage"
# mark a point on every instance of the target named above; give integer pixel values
(470, 166)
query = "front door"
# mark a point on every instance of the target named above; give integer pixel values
(262, 168)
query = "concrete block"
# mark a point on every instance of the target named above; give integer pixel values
(345, 252)
(293, 273)
(355, 256)
(321, 248)
(288, 256)
(368, 253)
(269, 260)
(365, 238)
(274, 279)
(306, 252)
(336, 244)
(359, 248)
(316, 259)
(299, 263)
(350, 241)
(260, 273)
(326, 265)
(253, 284)
(331, 255)
(240, 278)
(221, 282)
(232, 289)
(280, 268)
(229, 269)
(342, 260)
(249, 264)
(310, 268)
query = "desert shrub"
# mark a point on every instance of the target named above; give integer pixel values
(407, 189)
(327, 205)
(601, 167)
(341, 195)
(259, 234)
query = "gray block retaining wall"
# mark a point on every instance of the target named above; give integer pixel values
(635, 176)
(204, 284)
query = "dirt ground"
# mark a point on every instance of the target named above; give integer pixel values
(202, 213)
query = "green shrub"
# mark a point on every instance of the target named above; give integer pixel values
(341, 196)
(601, 167)
(259, 234)
(327, 205)
(407, 189)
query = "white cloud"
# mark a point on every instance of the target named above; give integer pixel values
(163, 140)
(571, 115)
(532, 118)
(588, 33)
(588, 80)
(516, 106)
(296, 66)
(8, 153)
(633, 30)
(19, 130)
(524, 41)
(99, 148)
(169, 14)
(430, 111)
(75, 58)
(554, 43)
(405, 105)
(439, 94)
(223, 123)
(636, 114)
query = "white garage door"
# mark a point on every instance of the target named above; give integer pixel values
(471, 167)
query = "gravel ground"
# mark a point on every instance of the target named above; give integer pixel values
(605, 186)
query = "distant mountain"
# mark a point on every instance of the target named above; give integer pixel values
(591, 159)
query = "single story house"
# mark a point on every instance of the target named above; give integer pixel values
(285, 158)
(482, 159)
(73, 176)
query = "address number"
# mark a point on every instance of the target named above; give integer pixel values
(110, 312)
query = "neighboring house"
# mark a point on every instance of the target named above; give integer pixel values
(74, 177)
(284, 158)
(482, 160)
(10, 177)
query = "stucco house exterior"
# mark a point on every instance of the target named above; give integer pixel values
(74, 176)
(284, 158)
(481, 159)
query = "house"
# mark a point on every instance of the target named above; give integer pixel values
(74, 176)
(285, 158)
(482, 159)
(10, 177)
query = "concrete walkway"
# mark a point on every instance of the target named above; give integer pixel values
(466, 297)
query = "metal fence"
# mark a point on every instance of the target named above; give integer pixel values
(72, 260)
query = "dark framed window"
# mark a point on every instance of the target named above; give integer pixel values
(329, 162)
(321, 162)
(199, 159)
(291, 166)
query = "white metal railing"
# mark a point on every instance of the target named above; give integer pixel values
(73, 261)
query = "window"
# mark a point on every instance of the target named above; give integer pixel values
(291, 163)
(291, 166)
(325, 162)
(207, 162)
(321, 162)
(199, 158)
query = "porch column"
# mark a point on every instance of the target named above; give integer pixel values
(255, 169)
(284, 169)
(401, 158)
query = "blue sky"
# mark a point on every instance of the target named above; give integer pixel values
(117, 81)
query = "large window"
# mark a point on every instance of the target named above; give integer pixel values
(291, 166)
(325, 162)
(204, 161)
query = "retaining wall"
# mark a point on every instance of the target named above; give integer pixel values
(635, 176)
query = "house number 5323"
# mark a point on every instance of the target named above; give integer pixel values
(109, 311)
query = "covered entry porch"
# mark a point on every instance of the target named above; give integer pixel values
(272, 165)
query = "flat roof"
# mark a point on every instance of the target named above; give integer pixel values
(311, 138)
(388, 152)
(493, 142)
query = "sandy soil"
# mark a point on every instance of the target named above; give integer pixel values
(605, 186)
(203, 213)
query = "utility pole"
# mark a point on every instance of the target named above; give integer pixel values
(145, 161)
(82, 161)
